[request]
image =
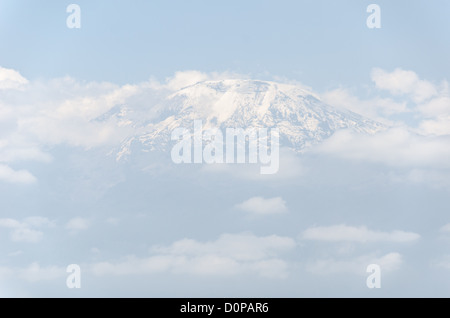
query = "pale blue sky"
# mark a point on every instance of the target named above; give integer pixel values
(64, 199)
(320, 43)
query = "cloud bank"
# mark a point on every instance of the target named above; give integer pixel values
(344, 233)
(230, 254)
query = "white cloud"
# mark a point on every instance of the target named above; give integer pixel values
(38, 221)
(358, 265)
(430, 103)
(439, 106)
(187, 78)
(9, 175)
(291, 167)
(238, 246)
(262, 206)
(439, 126)
(229, 255)
(344, 233)
(76, 115)
(66, 111)
(75, 132)
(401, 82)
(24, 234)
(376, 108)
(27, 230)
(397, 82)
(79, 114)
(437, 115)
(397, 147)
(36, 273)
(418, 155)
(78, 224)
(418, 152)
(11, 79)
(11, 153)
(62, 111)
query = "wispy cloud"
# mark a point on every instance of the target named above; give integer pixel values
(397, 147)
(377, 108)
(344, 233)
(11, 79)
(357, 265)
(262, 206)
(10, 175)
(423, 143)
(34, 273)
(78, 224)
(402, 82)
(28, 230)
(231, 254)
(41, 113)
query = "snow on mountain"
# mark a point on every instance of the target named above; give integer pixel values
(301, 117)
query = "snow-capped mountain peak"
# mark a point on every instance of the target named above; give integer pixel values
(301, 117)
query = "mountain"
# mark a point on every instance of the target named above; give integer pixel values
(301, 117)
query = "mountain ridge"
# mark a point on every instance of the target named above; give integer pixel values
(302, 118)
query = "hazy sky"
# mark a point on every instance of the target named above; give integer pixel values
(144, 227)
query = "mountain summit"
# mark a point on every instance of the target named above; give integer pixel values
(301, 117)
